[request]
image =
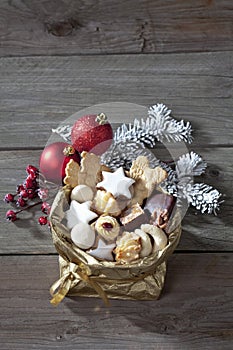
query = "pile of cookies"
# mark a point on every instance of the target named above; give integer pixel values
(117, 216)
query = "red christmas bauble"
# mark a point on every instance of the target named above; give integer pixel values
(92, 133)
(53, 161)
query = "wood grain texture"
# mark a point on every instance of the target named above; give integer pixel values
(37, 93)
(58, 57)
(194, 312)
(61, 27)
(200, 232)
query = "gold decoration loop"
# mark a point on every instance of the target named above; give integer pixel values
(62, 286)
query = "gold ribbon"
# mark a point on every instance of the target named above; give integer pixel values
(61, 287)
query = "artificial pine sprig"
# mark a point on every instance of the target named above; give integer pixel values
(133, 140)
(190, 164)
(203, 197)
(64, 131)
(187, 166)
(169, 185)
(167, 127)
(123, 153)
(158, 126)
(139, 132)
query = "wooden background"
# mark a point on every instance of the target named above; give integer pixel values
(57, 57)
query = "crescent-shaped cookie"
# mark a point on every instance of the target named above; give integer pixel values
(145, 242)
(159, 237)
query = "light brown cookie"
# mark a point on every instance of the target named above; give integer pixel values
(128, 247)
(71, 171)
(89, 170)
(146, 179)
(154, 177)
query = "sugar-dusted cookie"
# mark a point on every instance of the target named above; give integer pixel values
(83, 235)
(159, 237)
(103, 251)
(116, 183)
(79, 212)
(82, 193)
(145, 243)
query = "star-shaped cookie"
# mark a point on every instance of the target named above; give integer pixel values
(116, 183)
(103, 251)
(79, 212)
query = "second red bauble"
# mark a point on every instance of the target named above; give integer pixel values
(92, 133)
(53, 161)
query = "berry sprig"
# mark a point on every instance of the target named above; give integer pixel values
(25, 195)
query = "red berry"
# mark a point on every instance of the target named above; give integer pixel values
(32, 176)
(9, 198)
(30, 183)
(92, 133)
(24, 194)
(11, 215)
(45, 208)
(43, 220)
(21, 202)
(32, 170)
(31, 193)
(19, 188)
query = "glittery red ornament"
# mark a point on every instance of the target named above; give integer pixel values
(92, 133)
(53, 161)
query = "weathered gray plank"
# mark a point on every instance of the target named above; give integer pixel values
(200, 232)
(37, 93)
(71, 27)
(25, 235)
(194, 312)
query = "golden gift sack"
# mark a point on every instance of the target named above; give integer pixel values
(83, 275)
